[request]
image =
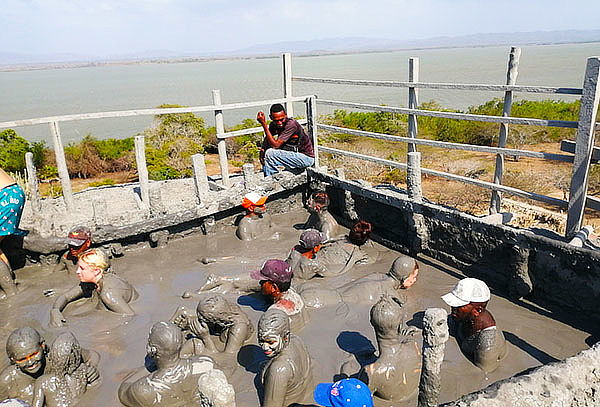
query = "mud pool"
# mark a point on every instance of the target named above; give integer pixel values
(332, 335)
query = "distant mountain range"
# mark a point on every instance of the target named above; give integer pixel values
(320, 46)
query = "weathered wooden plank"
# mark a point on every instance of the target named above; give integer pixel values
(453, 177)
(32, 181)
(452, 146)
(413, 103)
(287, 82)
(145, 112)
(61, 165)
(221, 144)
(455, 86)
(451, 115)
(200, 177)
(311, 112)
(413, 176)
(142, 170)
(568, 146)
(584, 145)
(253, 130)
(511, 79)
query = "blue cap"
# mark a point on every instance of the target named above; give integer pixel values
(343, 393)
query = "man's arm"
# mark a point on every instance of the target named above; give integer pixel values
(135, 392)
(56, 317)
(6, 381)
(115, 302)
(272, 142)
(275, 384)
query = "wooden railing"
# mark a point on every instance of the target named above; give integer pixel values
(590, 97)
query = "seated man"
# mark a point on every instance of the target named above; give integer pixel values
(97, 284)
(79, 240)
(216, 320)
(320, 218)
(287, 376)
(256, 222)
(68, 375)
(176, 382)
(394, 376)
(475, 328)
(286, 144)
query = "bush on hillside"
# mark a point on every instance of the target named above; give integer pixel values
(13, 148)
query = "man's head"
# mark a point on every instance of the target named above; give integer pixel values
(360, 232)
(25, 348)
(273, 332)
(215, 309)
(343, 393)
(164, 341)
(79, 239)
(254, 203)
(65, 354)
(387, 317)
(92, 265)
(405, 270)
(278, 115)
(310, 239)
(277, 271)
(318, 202)
(468, 299)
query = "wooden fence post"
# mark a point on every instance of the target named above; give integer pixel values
(32, 180)
(584, 145)
(511, 79)
(142, 170)
(311, 113)
(413, 102)
(61, 165)
(221, 142)
(200, 178)
(287, 83)
(413, 176)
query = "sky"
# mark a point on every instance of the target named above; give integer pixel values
(119, 27)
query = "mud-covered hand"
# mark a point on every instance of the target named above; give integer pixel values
(198, 328)
(181, 317)
(92, 374)
(260, 117)
(57, 319)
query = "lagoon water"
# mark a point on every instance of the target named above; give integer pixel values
(30, 94)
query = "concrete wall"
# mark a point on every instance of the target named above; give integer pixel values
(572, 382)
(512, 260)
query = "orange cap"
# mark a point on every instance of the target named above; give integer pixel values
(253, 199)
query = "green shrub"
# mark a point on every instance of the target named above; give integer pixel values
(12, 151)
(106, 181)
(47, 172)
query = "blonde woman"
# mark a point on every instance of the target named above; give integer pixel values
(97, 283)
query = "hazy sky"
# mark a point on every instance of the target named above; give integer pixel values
(113, 27)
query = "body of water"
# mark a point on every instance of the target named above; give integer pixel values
(30, 94)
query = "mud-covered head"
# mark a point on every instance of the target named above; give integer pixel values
(273, 332)
(310, 239)
(65, 354)
(26, 349)
(92, 265)
(387, 317)
(214, 308)
(275, 277)
(254, 203)
(79, 240)
(405, 270)
(164, 341)
(317, 202)
(360, 232)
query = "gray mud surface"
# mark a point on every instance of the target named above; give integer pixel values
(332, 335)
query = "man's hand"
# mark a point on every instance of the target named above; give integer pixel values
(92, 374)
(198, 328)
(260, 117)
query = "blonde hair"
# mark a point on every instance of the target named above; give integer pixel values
(96, 258)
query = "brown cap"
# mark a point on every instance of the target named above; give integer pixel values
(79, 235)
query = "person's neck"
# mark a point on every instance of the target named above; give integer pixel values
(388, 346)
(100, 284)
(478, 323)
(166, 363)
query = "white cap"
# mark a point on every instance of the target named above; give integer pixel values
(467, 290)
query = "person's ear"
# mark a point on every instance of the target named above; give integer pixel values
(477, 310)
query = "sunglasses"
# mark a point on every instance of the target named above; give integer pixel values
(28, 357)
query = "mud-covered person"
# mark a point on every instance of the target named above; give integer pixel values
(67, 377)
(176, 381)
(79, 240)
(256, 222)
(474, 327)
(98, 284)
(12, 201)
(27, 352)
(287, 376)
(286, 144)
(320, 218)
(218, 326)
(303, 257)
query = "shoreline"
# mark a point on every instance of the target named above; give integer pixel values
(183, 60)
